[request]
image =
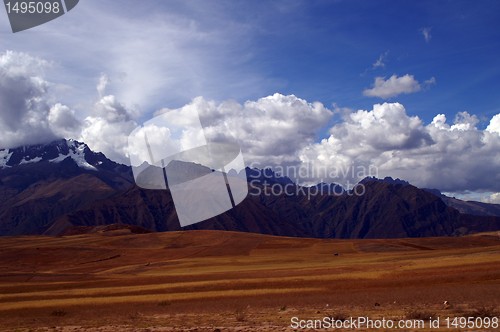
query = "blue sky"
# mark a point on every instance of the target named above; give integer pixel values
(107, 66)
(318, 50)
(324, 50)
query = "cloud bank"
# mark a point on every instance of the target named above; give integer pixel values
(282, 130)
(456, 157)
(27, 113)
(31, 114)
(275, 130)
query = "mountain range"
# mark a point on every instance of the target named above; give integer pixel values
(64, 187)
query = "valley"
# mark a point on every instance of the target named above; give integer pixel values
(113, 279)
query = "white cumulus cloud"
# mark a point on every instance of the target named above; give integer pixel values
(272, 131)
(451, 157)
(107, 129)
(394, 86)
(269, 130)
(494, 126)
(63, 121)
(28, 113)
(465, 121)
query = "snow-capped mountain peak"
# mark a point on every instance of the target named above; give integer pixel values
(54, 152)
(77, 152)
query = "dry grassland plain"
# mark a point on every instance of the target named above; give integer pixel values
(227, 281)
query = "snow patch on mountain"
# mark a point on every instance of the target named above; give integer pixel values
(77, 153)
(30, 161)
(4, 157)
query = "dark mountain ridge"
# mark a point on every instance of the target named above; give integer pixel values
(61, 186)
(40, 183)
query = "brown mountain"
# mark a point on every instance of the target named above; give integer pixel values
(74, 188)
(40, 183)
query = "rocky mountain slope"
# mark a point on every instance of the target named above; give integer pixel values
(56, 188)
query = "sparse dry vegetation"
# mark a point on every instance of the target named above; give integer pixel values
(205, 276)
(240, 315)
(164, 303)
(341, 316)
(58, 313)
(420, 314)
(484, 311)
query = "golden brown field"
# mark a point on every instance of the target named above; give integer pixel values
(226, 281)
